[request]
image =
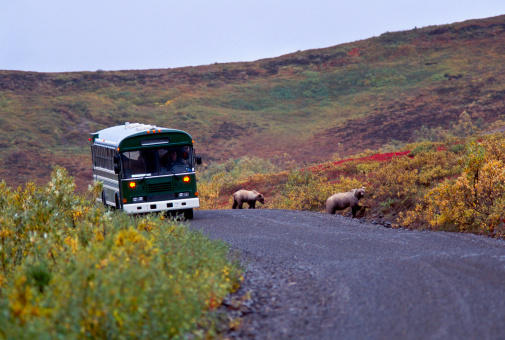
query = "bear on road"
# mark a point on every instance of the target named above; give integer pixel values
(247, 196)
(343, 200)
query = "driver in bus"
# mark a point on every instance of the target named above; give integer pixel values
(170, 158)
(174, 158)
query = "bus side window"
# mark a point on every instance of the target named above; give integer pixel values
(95, 155)
(102, 157)
(99, 154)
(93, 158)
(110, 166)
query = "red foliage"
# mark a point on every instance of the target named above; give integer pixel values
(377, 157)
(355, 52)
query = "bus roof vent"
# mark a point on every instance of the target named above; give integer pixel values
(138, 126)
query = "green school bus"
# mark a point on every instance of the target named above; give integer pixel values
(145, 168)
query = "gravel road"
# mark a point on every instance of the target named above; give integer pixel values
(319, 276)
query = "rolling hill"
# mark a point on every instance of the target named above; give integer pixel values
(309, 106)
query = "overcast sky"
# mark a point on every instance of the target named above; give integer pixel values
(90, 35)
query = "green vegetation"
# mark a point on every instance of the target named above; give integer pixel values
(70, 269)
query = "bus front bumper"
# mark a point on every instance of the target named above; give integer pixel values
(169, 205)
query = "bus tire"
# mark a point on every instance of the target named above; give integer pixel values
(118, 206)
(188, 214)
(104, 202)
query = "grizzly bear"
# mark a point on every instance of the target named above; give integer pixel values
(246, 196)
(343, 200)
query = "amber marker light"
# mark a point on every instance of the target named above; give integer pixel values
(185, 179)
(132, 184)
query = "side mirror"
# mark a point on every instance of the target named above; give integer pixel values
(198, 160)
(117, 169)
(117, 158)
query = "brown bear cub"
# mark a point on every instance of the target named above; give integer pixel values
(246, 196)
(343, 200)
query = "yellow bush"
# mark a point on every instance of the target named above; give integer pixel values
(71, 269)
(209, 192)
(468, 205)
(396, 179)
(475, 201)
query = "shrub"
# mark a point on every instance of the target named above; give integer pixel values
(395, 179)
(70, 269)
(306, 191)
(217, 179)
(475, 200)
(422, 147)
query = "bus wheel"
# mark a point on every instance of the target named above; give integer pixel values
(188, 214)
(103, 199)
(117, 202)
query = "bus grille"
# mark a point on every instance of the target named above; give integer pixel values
(159, 187)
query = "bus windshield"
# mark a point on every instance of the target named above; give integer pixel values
(157, 161)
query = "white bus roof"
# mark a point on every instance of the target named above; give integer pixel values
(112, 136)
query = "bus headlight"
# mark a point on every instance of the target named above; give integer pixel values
(183, 194)
(138, 199)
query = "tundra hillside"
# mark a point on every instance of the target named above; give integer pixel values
(309, 106)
